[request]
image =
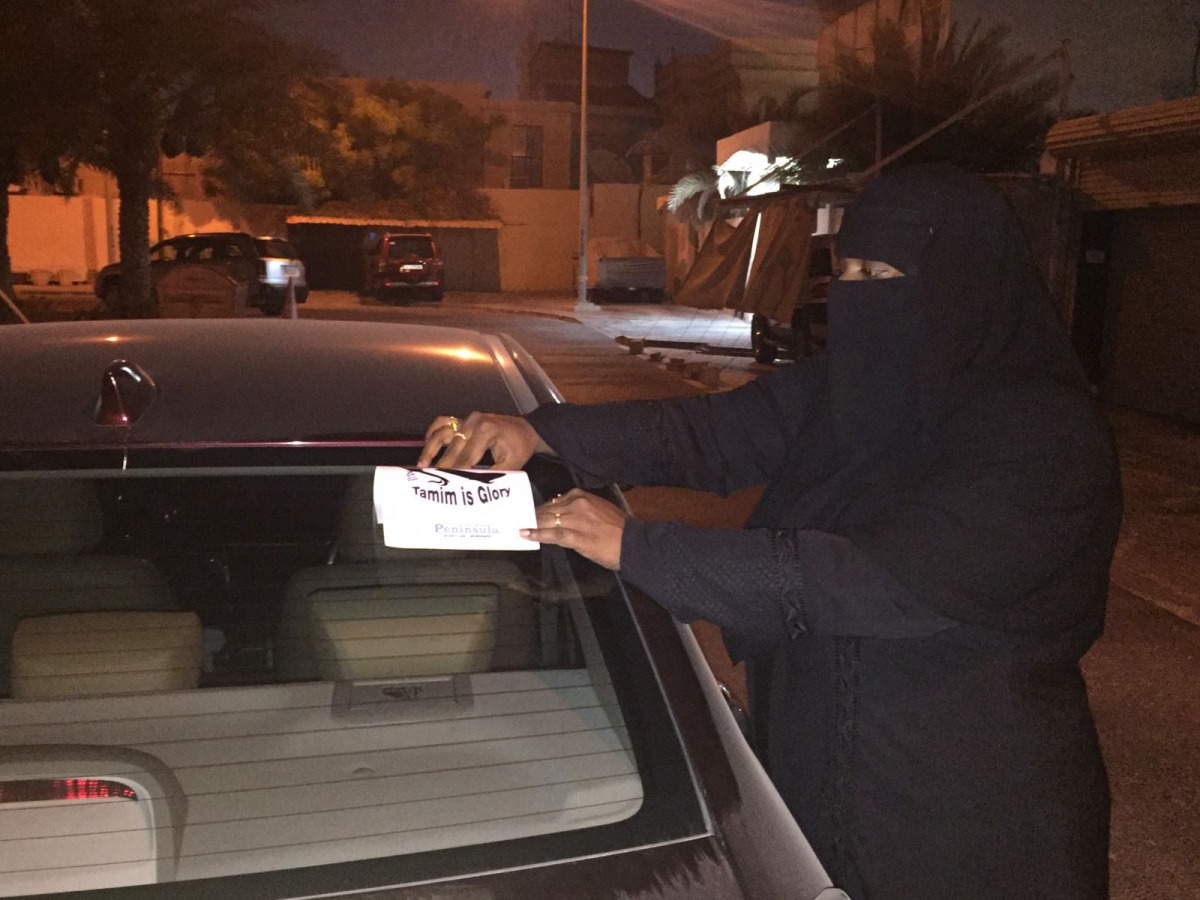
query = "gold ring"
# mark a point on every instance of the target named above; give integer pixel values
(453, 423)
(461, 434)
(558, 520)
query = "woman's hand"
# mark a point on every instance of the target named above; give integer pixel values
(462, 443)
(583, 522)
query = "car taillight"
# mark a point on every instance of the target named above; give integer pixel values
(43, 789)
(262, 268)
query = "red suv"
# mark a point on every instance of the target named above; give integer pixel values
(401, 263)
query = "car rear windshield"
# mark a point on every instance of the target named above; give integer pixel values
(274, 248)
(409, 245)
(214, 672)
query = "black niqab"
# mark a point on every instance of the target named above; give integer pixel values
(970, 314)
(982, 310)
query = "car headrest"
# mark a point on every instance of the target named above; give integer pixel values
(92, 653)
(359, 538)
(404, 630)
(45, 516)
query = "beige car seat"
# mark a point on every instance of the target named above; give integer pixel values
(99, 653)
(47, 528)
(378, 611)
(359, 538)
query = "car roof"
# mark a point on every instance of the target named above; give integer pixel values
(245, 380)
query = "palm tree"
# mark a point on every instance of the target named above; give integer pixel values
(917, 85)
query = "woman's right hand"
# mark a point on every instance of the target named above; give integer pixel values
(462, 443)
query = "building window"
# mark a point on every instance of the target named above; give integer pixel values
(525, 164)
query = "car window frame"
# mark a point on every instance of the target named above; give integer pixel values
(432, 254)
(673, 807)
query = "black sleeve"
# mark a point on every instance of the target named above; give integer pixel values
(998, 521)
(720, 442)
(767, 584)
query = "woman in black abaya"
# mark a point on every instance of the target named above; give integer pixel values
(925, 569)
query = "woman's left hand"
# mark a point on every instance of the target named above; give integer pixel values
(583, 522)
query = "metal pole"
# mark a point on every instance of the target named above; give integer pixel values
(13, 308)
(581, 299)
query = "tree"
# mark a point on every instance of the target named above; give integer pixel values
(368, 146)
(695, 117)
(919, 84)
(173, 77)
(38, 106)
(285, 164)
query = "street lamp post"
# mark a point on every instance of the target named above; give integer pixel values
(581, 300)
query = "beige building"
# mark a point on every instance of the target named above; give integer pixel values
(743, 72)
(850, 23)
(531, 179)
(536, 144)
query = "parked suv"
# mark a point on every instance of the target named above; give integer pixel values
(267, 264)
(402, 263)
(804, 334)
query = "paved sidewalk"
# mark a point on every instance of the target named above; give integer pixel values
(661, 330)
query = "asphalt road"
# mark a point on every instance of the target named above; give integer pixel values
(1143, 675)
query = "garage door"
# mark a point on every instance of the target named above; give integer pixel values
(1156, 298)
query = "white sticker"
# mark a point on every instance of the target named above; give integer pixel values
(459, 509)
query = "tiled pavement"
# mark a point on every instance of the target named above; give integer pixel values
(707, 345)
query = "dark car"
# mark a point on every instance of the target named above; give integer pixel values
(403, 264)
(803, 334)
(217, 681)
(268, 265)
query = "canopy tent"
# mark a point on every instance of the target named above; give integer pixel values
(717, 279)
(780, 265)
(756, 263)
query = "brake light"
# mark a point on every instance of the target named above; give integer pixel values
(64, 789)
(262, 269)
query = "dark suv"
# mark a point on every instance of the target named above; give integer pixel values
(267, 264)
(402, 263)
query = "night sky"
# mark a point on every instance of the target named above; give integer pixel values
(1121, 50)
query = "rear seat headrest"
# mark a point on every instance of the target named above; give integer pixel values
(92, 653)
(360, 539)
(403, 630)
(47, 516)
